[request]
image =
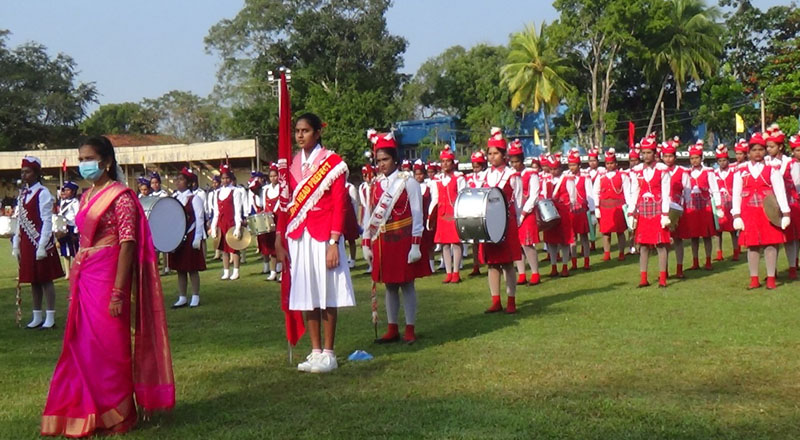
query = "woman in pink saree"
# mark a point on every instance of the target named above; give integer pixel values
(99, 380)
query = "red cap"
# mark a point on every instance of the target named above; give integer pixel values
(634, 153)
(741, 146)
(405, 165)
(496, 139)
(665, 148)
(366, 170)
(31, 162)
(447, 153)
(574, 156)
(594, 152)
(225, 169)
(697, 148)
(190, 176)
(273, 166)
(649, 142)
(534, 160)
(381, 140)
(418, 165)
(478, 157)
(774, 134)
(794, 141)
(515, 149)
(611, 155)
(757, 139)
(254, 183)
(721, 152)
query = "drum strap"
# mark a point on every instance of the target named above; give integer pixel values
(384, 207)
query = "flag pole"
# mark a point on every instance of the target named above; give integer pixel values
(763, 115)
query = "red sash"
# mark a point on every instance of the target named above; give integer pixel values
(311, 189)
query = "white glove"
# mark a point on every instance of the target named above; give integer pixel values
(237, 233)
(367, 254)
(428, 224)
(594, 220)
(213, 233)
(634, 222)
(738, 224)
(414, 254)
(196, 243)
(665, 221)
(15, 252)
(785, 221)
(596, 213)
(41, 254)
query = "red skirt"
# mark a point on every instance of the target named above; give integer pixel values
(390, 258)
(648, 229)
(792, 232)
(726, 222)
(561, 234)
(187, 259)
(446, 232)
(507, 251)
(266, 244)
(580, 221)
(350, 225)
(698, 223)
(37, 271)
(529, 230)
(223, 229)
(612, 217)
(758, 231)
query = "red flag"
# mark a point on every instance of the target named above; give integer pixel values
(64, 165)
(294, 319)
(631, 134)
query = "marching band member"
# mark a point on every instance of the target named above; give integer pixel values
(432, 171)
(241, 191)
(752, 183)
(528, 229)
(256, 205)
(405, 165)
(594, 171)
(560, 188)
(633, 160)
(144, 186)
(351, 232)
(427, 234)
(611, 190)
(68, 208)
(740, 153)
(476, 180)
(33, 243)
(443, 195)
(724, 176)
(794, 145)
(365, 197)
(313, 225)
(702, 205)
(155, 186)
(189, 260)
(650, 188)
(272, 194)
(789, 169)
(500, 257)
(679, 193)
(211, 203)
(227, 215)
(583, 205)
(394, 238)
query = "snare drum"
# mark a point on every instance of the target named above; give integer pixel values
(167, 220)
(481, 215)
(8, 226)
(59, 225)
(547, 216)
(261, 223)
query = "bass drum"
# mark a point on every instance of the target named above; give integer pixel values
(481, 215)
(547, 216)
(167, 220)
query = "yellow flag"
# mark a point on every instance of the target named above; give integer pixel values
(739, 123)
(536, 140)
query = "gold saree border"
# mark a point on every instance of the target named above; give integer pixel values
(82, 426)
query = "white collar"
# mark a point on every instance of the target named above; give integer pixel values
(312, 156)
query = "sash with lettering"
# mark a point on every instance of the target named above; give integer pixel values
(385, 204)
(311, 189)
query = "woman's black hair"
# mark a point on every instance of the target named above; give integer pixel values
(314, 121)
(391, 152)
(103, 147)
(521, 156)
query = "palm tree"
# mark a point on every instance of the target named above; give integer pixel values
(691, 49)
(534, 74)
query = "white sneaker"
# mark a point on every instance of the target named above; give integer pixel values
(195, 301)
(351, 264)
(325, 363)
(37, 319)
(310, 360)
(272, 276)
(225, 275)
(280, 277)
(235, 274)
(180, 302)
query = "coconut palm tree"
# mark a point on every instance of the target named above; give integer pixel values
(691, 48)
(534, 74)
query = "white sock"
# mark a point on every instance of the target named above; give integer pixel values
(181, 301)
(37, 319)
(195, 301)
(278, 267)
(329, 353)
(225, 274)
(235, 273)
(50, 320)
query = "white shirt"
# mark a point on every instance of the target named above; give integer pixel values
(755, 169)
(784, 162)
(197, 207)
(69, 209)
(496, 178)
(712, 183)
(160, 193)
(45, 213)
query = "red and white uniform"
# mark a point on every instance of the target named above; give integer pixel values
(528, 228)
(271, 198)
(443, 195)
(751, 184)
(475, 180)
(351, 207)
(561, 190)
(584, 202)
(594, 173)
(680, 187)
(35, 232)
(227, 214)
(789, 170)
(427, 234)
(186, 258)
(651, 191)
(612, 190)
(701, 196)
(403, 228)
(725, 185)
(508, 250)
(365, 201)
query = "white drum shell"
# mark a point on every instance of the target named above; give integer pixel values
(547, 215)
(261, 223)
(481, 215)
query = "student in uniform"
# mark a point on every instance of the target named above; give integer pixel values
(702, 205)
(189, 260)
(68, 208)
(789, 170)
(443, 196)
(528, 229)
(724, 175)
(227, 215)
(475, 180)
(611, 190)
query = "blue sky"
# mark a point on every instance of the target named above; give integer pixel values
(145, 48)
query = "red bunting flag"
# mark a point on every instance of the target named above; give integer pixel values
(631, 134)
(64, 165)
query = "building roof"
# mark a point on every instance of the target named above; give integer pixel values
(141, 140)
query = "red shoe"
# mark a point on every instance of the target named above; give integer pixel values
(736, 252)
(497, 306)
(574, 264)
(553, 271)
(792, 273)
(591, 246)
(391, 335)
(521, 279)
(448, 278)
(719, 256)
(511, 307)
(754, 283)
(456, 278)
(662, 279)
(621, 256)
(534, 279)
(771, 283)
(708, 264)
(606, 256)
(564, 271)
(679, 272)
(643, 280)
(410, 337)
(695, 264)
(476, 271)
(586, 263)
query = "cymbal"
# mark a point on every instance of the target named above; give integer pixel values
(772, 210)
(217, 239)
(242, 242)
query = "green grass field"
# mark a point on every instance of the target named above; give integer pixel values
(587, 357)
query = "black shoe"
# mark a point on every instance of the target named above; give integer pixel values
(387, 341)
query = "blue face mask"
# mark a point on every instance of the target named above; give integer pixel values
(90, 170)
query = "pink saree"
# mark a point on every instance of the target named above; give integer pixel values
(97, 377)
